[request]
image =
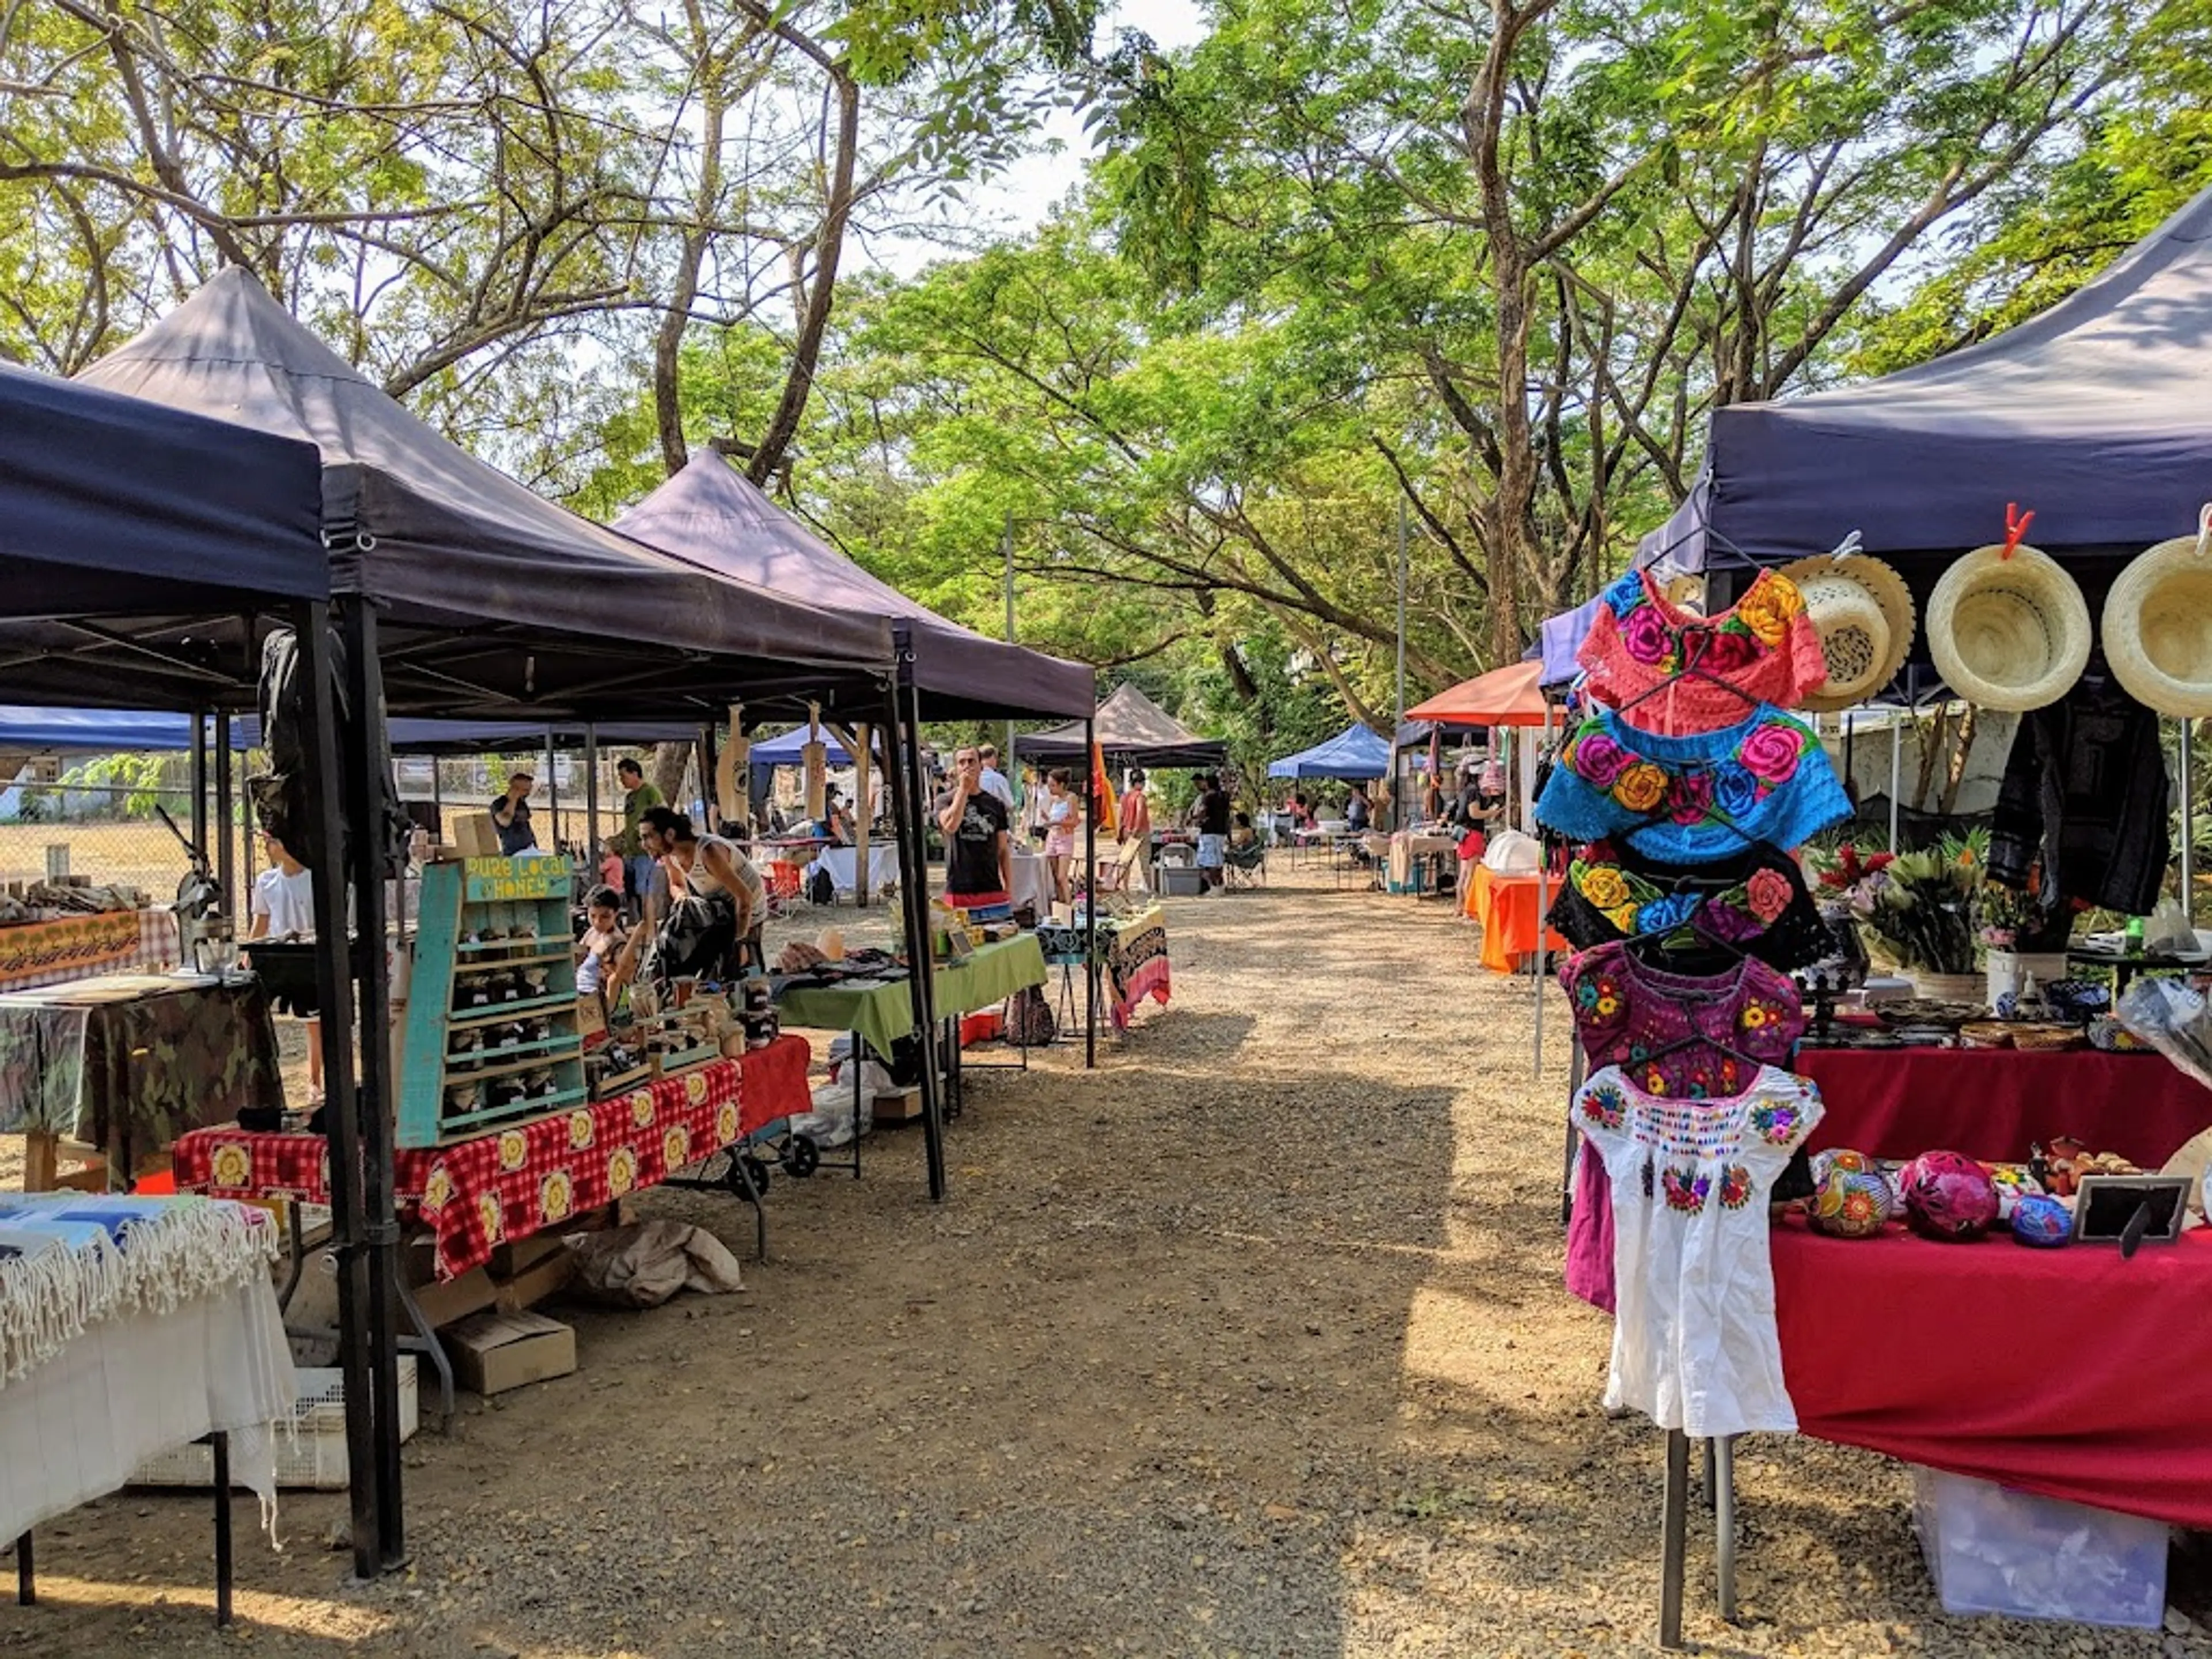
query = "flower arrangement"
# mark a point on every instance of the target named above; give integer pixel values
(1919, 905)
(2015, 919)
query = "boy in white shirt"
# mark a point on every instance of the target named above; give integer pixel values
(283, 907)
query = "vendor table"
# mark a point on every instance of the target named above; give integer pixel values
(843, 864)
(475, 1195)
(36, 953)
(1132, 956)
(1509, 908)
(2062, 1372)
(882, 1012)
(187, 1342)
(1990, 1103)
(127, 1063)
(1412, 848)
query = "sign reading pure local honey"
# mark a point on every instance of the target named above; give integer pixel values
(526, 877)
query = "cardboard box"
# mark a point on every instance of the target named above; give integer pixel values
(475, 834)
(494, 1352)
(898, 1106)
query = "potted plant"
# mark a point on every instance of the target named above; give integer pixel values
(1919, 906)
(2022, 937)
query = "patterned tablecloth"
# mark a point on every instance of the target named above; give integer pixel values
(1133, 951)
(474, 1194)
(36, 953)
(129, 1062)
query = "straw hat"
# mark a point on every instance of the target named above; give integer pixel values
(2158, 627)
(2008, 632)
(1863, 611)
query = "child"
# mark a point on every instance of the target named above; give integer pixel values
(611, 868)
(1240, 834)
(606, 955)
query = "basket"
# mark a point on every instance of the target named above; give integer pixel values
(2045, 1039)
(311, 1454)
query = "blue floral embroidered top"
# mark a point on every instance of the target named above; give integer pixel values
(1694, 799)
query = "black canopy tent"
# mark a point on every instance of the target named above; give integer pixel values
(709, 515)
(1129, 727)
(457, 592)
(491, 601)
(2091, 415)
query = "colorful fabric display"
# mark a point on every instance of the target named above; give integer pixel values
(1694, 1341)
(1638, 1017)
(1755, 901)
(1697, 798)
(1686, 673)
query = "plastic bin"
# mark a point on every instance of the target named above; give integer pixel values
(1991, 1549)
(311, 1455)
(1181, 880)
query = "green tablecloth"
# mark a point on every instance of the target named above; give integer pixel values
(884, 1013)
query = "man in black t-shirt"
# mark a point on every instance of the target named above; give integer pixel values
(979, 863)
(1210, 816)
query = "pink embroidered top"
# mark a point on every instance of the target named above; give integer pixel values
(1627, 1013)
(1764, 646)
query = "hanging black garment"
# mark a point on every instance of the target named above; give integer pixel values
(2085, 790)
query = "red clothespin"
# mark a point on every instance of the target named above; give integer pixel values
(2016, 524)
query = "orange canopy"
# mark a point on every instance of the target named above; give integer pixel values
(1504, 696)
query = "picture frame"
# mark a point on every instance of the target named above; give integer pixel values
(2106, 1210)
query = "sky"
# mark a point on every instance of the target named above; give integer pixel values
(1026, 193)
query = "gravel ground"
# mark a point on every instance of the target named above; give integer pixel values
(1251, 1342)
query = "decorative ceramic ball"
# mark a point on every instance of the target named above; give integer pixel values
(1849, 1203)
(2041, 1223)
(1836, 1157)
(1948, 1195)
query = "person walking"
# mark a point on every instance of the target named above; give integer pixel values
(1210, 817)
(1135, 851)
(1060, 816)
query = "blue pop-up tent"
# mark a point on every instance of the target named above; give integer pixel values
(789, 749)
(1354, 752)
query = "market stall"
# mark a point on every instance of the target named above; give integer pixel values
(1509, 908)
(1133, 952)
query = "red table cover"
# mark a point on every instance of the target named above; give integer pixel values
(2067, 1372)
(508, 1184)
(1990, 1103)
(1509, 908)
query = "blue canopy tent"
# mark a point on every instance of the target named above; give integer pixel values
(789, 749)
(1357, 751)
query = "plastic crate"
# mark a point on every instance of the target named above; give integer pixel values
(311, 1455)
(1991, 1549)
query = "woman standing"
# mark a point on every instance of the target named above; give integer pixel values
(1060, 816)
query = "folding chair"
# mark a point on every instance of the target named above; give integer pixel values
(1245, 867)
(784, 881)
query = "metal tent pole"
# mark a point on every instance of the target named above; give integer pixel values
(1090, 898)
(368, 780)
(919, 940)
(553, 786)
(592, 801)
(199, 782)
(1543, 904)
(1398, 712)
(1896, 775)
(334, 994)
(226, 849)
(2187, 770)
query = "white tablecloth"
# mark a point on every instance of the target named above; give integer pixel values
(843, 865)
(132, 1386)
(1032, 883)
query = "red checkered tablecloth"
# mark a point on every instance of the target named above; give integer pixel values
(477, 1194)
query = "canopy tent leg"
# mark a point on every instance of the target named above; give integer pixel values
(226, 845)
(553, 786)
(913, 906)
(1896, 776)
(199, 782)
(334, 991)
(1089, 902)
(591, 802)
(368, 779)
(863, 795)
(1543, 904)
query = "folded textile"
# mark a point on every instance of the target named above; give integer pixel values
(70, 1260)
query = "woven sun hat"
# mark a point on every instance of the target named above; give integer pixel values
(2158, 625)
(2008, 632)
(1863, 611)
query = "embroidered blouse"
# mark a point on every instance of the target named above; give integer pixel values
(1641, 648)
(1694, 1340)
(1696, 798)
(1756, 901)
(1626, 1010)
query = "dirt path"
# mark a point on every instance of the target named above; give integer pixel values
(1251, 1342)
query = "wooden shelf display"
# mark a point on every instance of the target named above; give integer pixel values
(491, 1030)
